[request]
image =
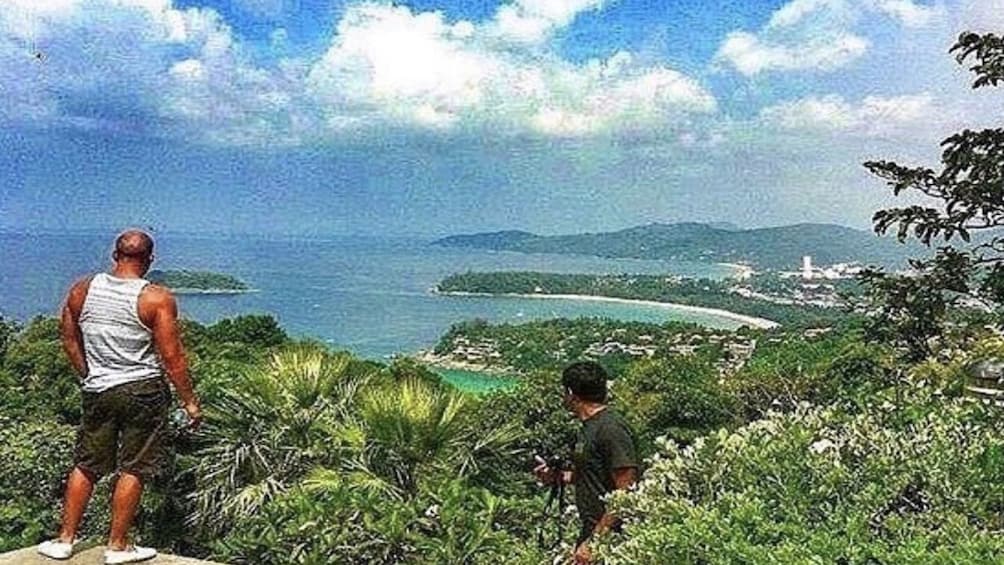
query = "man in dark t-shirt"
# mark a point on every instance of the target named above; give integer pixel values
(604, 458)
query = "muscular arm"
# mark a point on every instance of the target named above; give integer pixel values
(160, 311)
(69, 327)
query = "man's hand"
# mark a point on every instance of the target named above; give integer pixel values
(543, 473)
(194, 412)
(582, 555)
(549, 476)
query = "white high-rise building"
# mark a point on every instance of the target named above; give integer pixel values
(807, 267)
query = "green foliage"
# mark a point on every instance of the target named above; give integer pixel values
(859, 370)
(693, 292)
(8, 331)
(904, 480)
(256, 330)
(963, 198)
(268, 429)
(196, 280)
(40, 383)
(310, 427)
(34, 459)
(534, 407)
(403, 369)
(310, 456)
(778, 247)
(341, 524)
(680, 398)
(416, 429)
(988, 50)
(219, 353)
(789, 369)
(910, 311)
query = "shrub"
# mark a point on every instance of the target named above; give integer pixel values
(453, 523)
(894, 482)
(780, 375)
(680, 398)
(43, 385)
(34, 459)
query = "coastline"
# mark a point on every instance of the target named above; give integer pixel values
(445, 362)
(761, 323)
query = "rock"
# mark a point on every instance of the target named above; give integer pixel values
(90, 554)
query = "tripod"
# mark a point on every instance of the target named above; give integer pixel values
(555, 497)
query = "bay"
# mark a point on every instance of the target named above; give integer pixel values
(370, 295)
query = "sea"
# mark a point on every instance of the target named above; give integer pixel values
(366, 294)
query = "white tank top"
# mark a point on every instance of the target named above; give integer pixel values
(117, 344)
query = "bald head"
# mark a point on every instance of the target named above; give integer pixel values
(133, 245)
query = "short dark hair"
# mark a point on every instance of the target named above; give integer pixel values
(136, 245)
(587, 380)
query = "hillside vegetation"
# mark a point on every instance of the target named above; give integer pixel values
(775, 248)
(358, 462)
(703, 293)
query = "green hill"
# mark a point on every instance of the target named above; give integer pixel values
(777, 247)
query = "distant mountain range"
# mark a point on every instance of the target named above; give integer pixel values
(775, 248)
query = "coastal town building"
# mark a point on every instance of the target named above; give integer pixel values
(834, 272)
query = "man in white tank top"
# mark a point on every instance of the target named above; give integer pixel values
(120, 332)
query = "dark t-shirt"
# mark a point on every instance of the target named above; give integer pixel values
(604, 443)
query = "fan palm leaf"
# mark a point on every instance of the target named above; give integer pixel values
(268, 429)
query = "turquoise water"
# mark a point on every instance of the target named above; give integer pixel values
(474, 381)
(368, 295)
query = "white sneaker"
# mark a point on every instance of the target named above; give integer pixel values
(130, 554)
(55, 549)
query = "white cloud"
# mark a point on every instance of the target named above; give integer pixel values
(909, 13)
(979, 15)
(183, 72)
(533, 21)
(138, 65)
(751, 55)
(611, 101)
(144, 64)
(797, 11)
(817, 35)
(416, 68)
(189, 69)
(410, 67)
(872, 116)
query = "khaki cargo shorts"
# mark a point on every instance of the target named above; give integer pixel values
(124, 428)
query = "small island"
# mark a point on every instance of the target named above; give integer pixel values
(198, 282)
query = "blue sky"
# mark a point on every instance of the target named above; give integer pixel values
(436, 116)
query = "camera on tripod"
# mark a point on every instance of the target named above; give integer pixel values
(557, 465)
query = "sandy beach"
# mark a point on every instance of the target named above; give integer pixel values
(429, 358)
(753, 321)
